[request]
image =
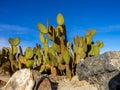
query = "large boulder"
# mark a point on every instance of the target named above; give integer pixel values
(100, 69)
(26, 79)
(21, 80)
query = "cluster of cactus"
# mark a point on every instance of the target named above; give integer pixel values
(85, 47)
(8, 56)
(11, 60)
(59, 57)
(59, 54)
(56, 56)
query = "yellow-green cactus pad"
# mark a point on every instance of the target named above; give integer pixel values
(28, 53)
(66, 56)
(42, 38)
(14, 42)
(60, 19)
(42, 28)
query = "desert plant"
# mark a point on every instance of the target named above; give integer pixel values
(59, 57)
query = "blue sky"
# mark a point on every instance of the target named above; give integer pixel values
(20, 18)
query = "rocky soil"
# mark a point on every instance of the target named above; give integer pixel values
(62, 83)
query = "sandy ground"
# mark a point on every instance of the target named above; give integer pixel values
(75, 84)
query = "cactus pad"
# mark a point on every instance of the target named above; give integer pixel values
(60, 19)
(14, 42)
(42, 28)
(28, 53)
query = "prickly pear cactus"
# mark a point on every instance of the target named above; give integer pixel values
(66, 56)
(28, 53)
(95, 49)
(60, 19)
(14, 42)
(42, 28)
(56, 55)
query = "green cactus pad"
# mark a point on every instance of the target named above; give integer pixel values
(75, 49)
(89, 39)
(56, 47)
(60, 59)
(22, 59)
(5, 51)
(93, 32)
(34, 50)
(81, 54)
(80, 50)
(99, 44)
(42, 68)
(60, 19)
(78, 58)
(46, 60)
(68, 73)
(28, 53)
(66, 56)
(80, 41)
(76, 40)
(95, 50)
(42, 38)
(52, 51)
(85, 47)
(29, 63)
(15, 50)
(14, 42)
(53, 60)
(42, 28)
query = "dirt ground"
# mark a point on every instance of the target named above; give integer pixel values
(59, 83)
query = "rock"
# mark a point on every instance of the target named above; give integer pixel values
(114, 83)
(94, 73)
(21, 80)
(99, 69)
(26, 79)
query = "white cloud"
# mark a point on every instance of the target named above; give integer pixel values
(15, 29)
(12, 27)
(4, 43)
(108, 28)
(27, 35)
